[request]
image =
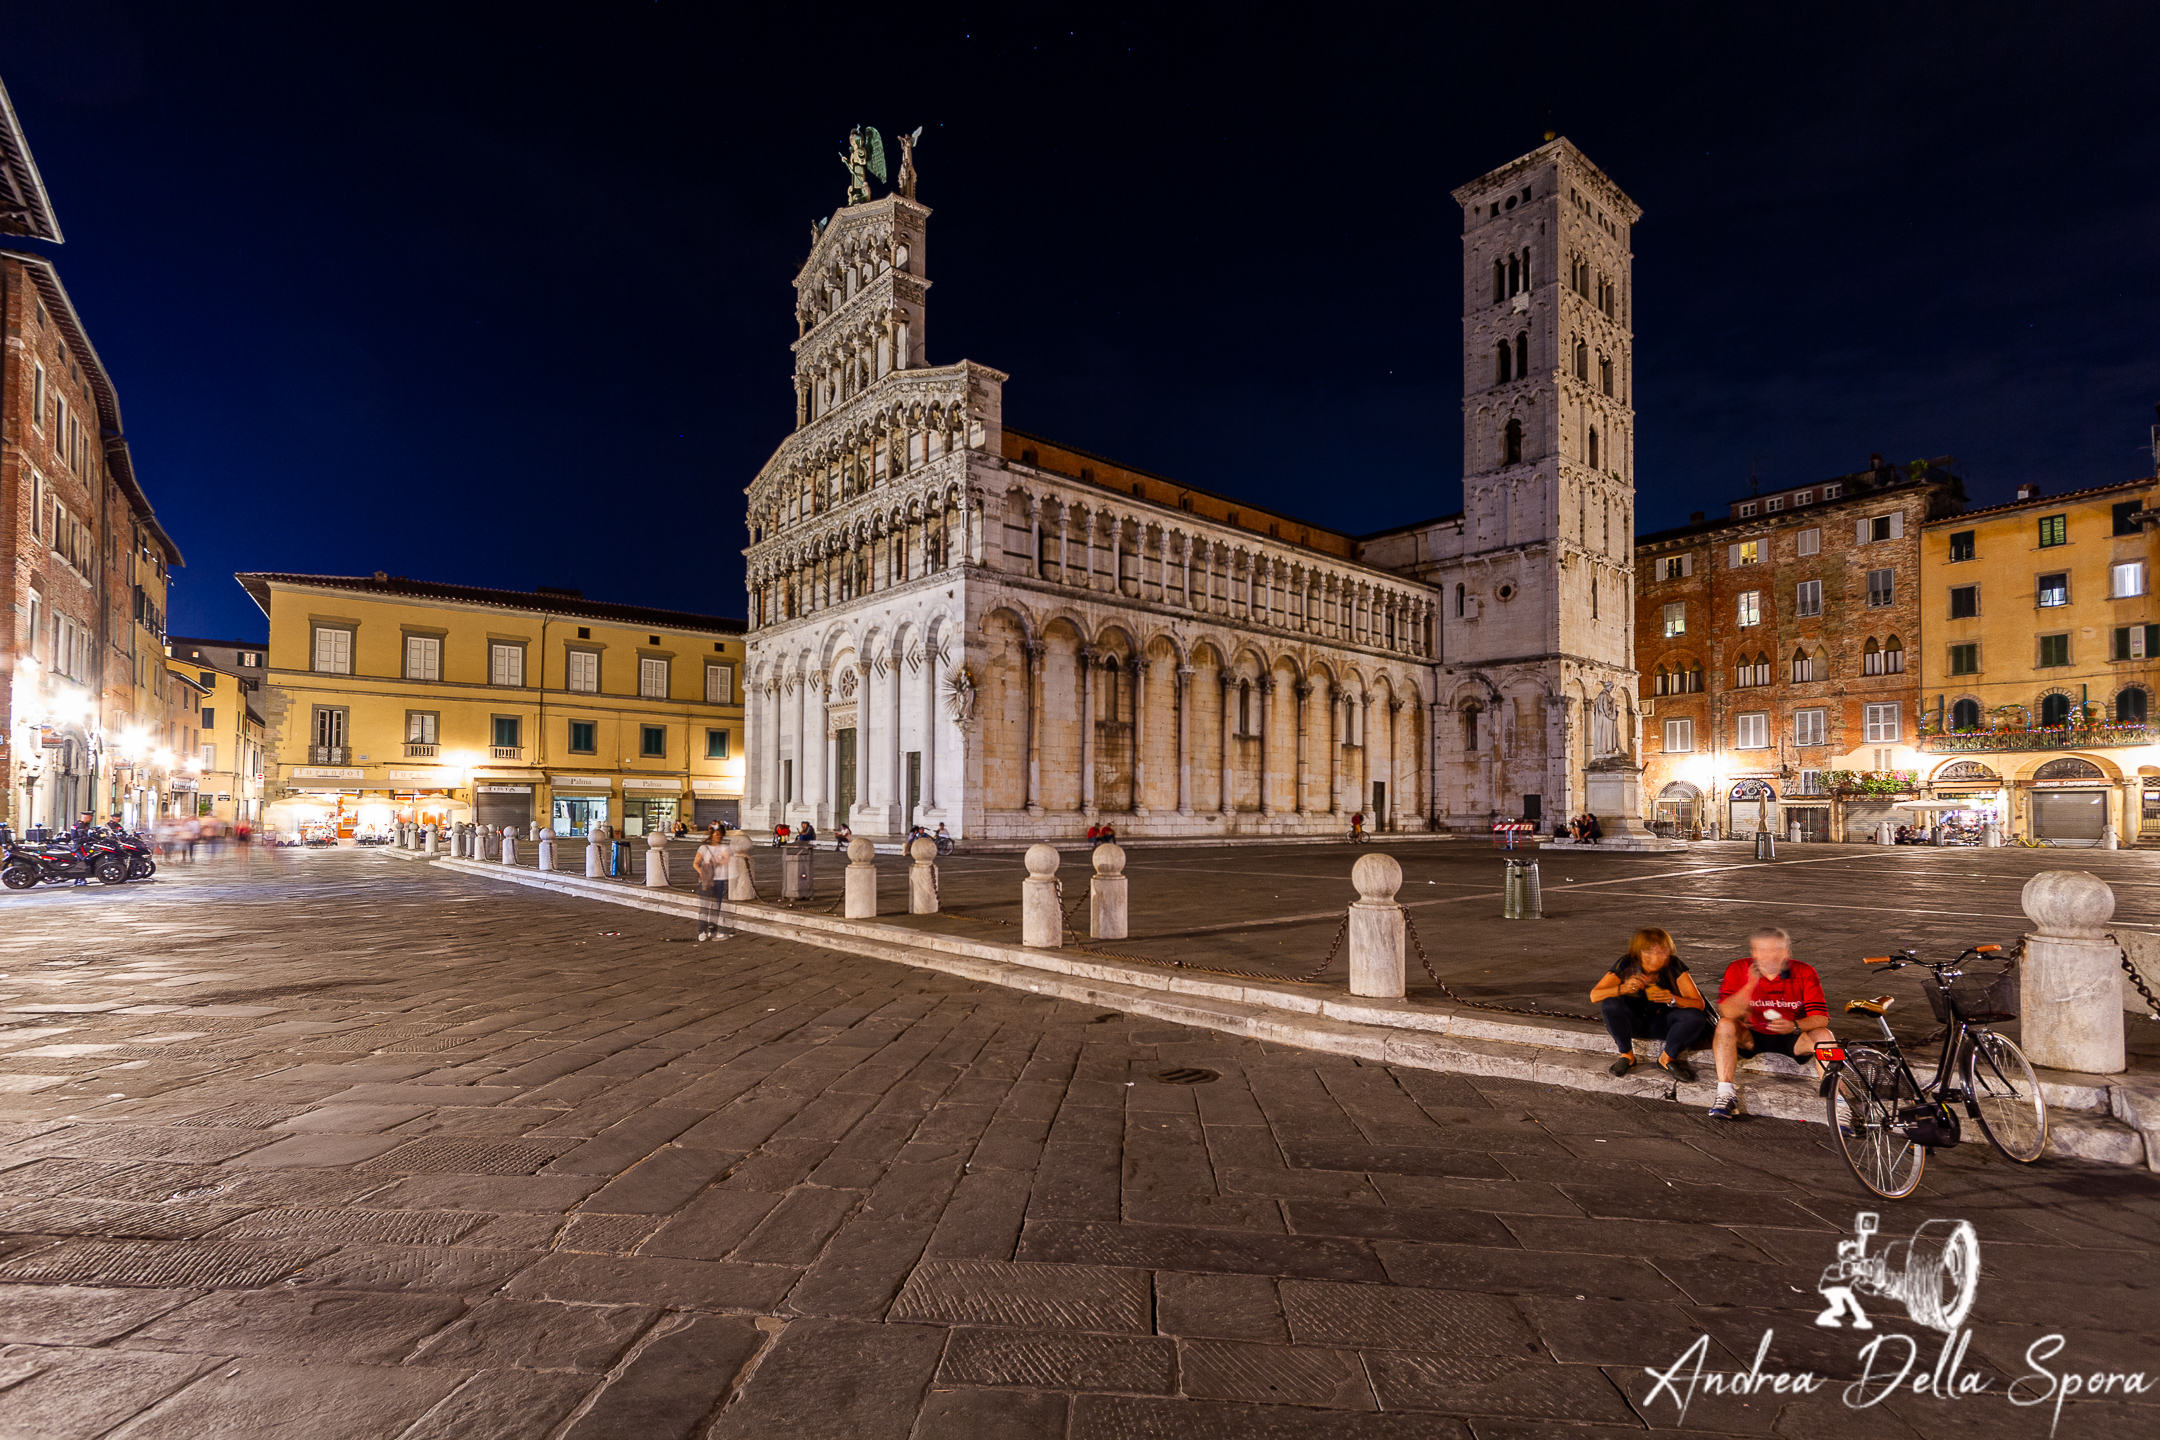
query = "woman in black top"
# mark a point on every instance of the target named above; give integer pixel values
(1649, 995)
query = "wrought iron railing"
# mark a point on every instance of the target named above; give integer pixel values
(2060, 737)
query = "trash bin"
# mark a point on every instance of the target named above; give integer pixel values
(1511, 892)
(795, 872)
(1533, 894)
(1765, 845)
(618, 860)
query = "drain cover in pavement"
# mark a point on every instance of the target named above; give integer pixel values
(462, 1157)
(1187, 1076)
(210, 1267)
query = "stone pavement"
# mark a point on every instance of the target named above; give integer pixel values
(337, 1145)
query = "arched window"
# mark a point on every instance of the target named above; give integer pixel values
(1460, 594)
(2054, 710)
(1965, 714)
(1514, 443)
(1659, 681)
(1501, 374)
(1871, 658)
(1522, 354)
(1694, 680)
(1604, 374)
(1469, 730)
(1582, 361)
(1514, 274)
(1893, 656)
(1593, 448)
(2132, 706)
(1803, 667)
(1244, 707)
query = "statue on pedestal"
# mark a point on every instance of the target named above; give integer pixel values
(865, 157)
(1604, 724)
(906, 183)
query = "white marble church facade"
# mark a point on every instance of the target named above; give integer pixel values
(953, 623)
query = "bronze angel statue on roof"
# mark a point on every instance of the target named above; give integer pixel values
(865, 157)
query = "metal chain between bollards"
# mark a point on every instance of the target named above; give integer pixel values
(2152, 1002)
(1410, 929)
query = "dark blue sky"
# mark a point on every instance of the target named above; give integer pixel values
(501, 296)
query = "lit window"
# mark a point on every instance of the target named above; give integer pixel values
(2055, 530)
(2126, 579)
(1675, 619)
(1750, 607)
(2054, 589)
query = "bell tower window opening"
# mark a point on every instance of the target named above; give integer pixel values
(1513, 442)
(1499, 282)
(1593, 447)
(1522, 354)
(1582, 362)
(1501, 375)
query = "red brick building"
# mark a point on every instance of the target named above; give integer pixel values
(84, 558)
(1779, 651)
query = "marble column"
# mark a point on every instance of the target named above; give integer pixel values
(1137, 668)
(1184, 737)
(930, 729)
(1229, 733)
(814, 744)
(1087, 730)
(1032, 651)
(1363, 700)
(1186, 590)
(1394, 768)
(899, 821)
(1035, 550)
(1266, 687)
(1334, 748)
(830, 779)
(774, 740)
(1303, 691)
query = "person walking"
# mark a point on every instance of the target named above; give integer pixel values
(711, 863)
(1648, 994)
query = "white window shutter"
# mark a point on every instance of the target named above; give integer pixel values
(1732, 561)
(1687, 565)
(1897, 525)
(1860, 528)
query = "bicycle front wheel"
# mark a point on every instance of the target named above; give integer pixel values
(1870, 1090)
(2006, 1095)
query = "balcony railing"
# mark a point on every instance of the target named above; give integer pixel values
(328, 754)
(2060, 737)
(414, 750)
(508, 752)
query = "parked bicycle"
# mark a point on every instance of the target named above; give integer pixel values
(1886, 1121)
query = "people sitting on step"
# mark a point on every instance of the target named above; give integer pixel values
(1648, 994)
(1769, 1005)
(1094, 836)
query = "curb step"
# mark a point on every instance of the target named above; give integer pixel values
(2086, 1121)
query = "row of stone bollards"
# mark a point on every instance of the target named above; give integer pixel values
(858, 896)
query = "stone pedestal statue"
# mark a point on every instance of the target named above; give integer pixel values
(858, 898)
(922, 880)
(2070, 985)
(1612, 791)
(1376, 929)
(1108, 913)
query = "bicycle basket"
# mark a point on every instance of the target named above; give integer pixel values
(1977, 997)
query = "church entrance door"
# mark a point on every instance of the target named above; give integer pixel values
(844, 762)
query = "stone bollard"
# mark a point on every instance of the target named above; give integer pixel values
(1376, 928)
(739, 884)
(1886, 833)
(922, 877)
(2108, 839)
(1107, 909)
(656, 860)
(1991, 836)
(427, 839)
(859, 881)
(2070, 987)
(532, 831)
(1042, 920)
(546, 841)
(510, 844)
(595, 856)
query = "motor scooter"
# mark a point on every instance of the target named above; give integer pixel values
(62, 860)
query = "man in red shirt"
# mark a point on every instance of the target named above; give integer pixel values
(1768, 1004)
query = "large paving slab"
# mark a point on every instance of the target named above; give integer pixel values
(343, 1145)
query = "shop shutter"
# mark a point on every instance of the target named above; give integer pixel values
(495, 809)
(2069, 816)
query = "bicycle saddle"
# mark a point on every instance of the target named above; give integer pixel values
(1880, 1005)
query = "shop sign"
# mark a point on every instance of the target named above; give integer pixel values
(325, 772)
(1753, 790)
(597, 781)
(179, 784)
(710, 787)
(634, 783)
(504, 789)
(425, 777)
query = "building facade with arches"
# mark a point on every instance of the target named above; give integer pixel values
(954, 623)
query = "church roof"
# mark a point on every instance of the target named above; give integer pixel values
(25, 209)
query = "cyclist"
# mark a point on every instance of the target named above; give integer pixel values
(1768, 1004)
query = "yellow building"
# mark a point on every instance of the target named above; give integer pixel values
(389, 699)
(223, 764)
(2041, 647)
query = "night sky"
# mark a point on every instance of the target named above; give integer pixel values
(501, 296)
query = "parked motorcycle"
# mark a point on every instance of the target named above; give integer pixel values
(138, 851)
(63, 860)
